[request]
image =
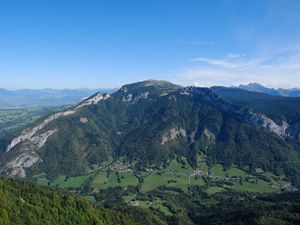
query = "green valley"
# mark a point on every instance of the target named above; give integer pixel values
(177, 174)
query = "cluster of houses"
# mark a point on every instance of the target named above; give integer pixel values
(118, 166)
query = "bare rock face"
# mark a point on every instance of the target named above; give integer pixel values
(127, 98)
(262, 120)
(94, 100)
(134, 98)
(39, 140)
(208, 135)
(27, 155)
(172, 134)
(83, 120)
(17, 166)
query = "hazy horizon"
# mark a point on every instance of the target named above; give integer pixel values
(120, 85)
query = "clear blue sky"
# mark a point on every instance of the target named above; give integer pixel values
(106, 43)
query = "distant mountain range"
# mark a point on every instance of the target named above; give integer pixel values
(293, 92)
(24, 98)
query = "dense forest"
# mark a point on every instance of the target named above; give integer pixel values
(24, 203)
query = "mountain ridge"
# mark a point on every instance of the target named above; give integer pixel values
(149, 122)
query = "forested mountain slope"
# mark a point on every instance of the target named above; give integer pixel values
(150, 123)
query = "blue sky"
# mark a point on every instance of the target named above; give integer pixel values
(107, 43)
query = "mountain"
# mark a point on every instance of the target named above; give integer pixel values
(24, 98)
(293, 92)
(150, 123)
(25, 203)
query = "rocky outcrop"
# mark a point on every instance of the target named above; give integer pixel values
(17, 166)
(38, 141)
(93, 100)
(127, 98)
(208, 135)
(83, 120)
(134, 98)
(172, 134)
(262, 120)
(27, 155)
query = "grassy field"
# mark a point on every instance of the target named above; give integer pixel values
(70, 182)
(235, 172)
(129, 198)
(157, 204)
(122, 179)
(214, 189)
(99, 180)
(260, 186)
(42, 181)
(179, 167)
(203, 166)
(112, 181)
(128, 179)
(176, 174)
(218, 170)
(177, 177)
(154, 180)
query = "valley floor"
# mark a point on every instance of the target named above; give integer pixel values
(178, 174)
